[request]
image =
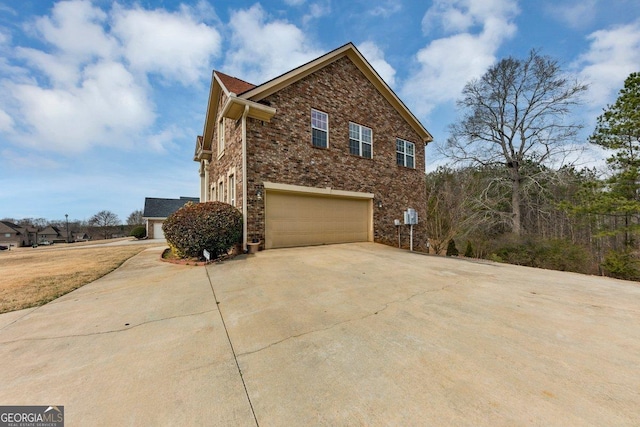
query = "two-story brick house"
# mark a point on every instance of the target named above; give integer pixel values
(325, 153)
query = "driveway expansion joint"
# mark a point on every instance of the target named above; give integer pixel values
(112, 331)
(233, 351)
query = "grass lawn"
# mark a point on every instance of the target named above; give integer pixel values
(33, 277)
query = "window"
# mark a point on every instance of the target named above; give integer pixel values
(221, 191)
(360, 140)
(221, 136)
(231, 189)
(405, 153)
(319, 129)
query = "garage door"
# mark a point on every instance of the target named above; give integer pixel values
(157, 230)
(303, 220)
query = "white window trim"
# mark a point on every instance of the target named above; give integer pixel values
(221, 137)
(360, 140)
(220, 190)
(212, 192)
(231, 187)
(320, 129)
(404, 152)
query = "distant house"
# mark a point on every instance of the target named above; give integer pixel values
(156, 210)
(14, 235)
(53, 234)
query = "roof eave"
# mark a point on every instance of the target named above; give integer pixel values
(235, 106)
(260, 92)
(215, 91)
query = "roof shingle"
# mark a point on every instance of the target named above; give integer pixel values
(234, 84)
(162, 208)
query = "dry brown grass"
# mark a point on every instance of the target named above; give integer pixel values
(33, 277)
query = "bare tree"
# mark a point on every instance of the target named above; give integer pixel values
(105, 220)
(135, 218)
(513, 115)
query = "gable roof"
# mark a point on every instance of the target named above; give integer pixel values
(7, 226)
(234, 84)
(50, 230)
(162, 208)
(349, 50)
(247, 98)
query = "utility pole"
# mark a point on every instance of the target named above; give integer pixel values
(67, 218)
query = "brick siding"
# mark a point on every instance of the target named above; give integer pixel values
(280, 151)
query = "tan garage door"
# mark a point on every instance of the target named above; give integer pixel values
(304, 220)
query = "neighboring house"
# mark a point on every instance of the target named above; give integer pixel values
(157, 210)
(13, 235)
(325, 153)
(26, 236)
(80, 236)
(53, 234)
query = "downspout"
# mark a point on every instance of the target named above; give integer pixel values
(244, 177)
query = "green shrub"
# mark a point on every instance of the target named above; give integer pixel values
(214, 226)
(468, 252)
(451, 249)
(621, 265)
(494, 258)
(139, 232)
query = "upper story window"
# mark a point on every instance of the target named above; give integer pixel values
(360, 140)
(319, 129)
(221, 136)
(405, 153)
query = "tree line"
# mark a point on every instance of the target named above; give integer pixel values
(102, 225)
(511, 190)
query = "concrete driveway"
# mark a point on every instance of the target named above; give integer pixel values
(356, 334)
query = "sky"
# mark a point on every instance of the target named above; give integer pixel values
(101, 101)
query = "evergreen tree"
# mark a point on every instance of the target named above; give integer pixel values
(618, 129)
(468, 252)
(451, 249)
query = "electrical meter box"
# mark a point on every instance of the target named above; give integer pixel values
(410, 217)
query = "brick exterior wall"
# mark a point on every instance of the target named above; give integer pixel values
(231, 158)
(280, 151)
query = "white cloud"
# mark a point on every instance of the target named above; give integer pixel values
(109, 108)
(5, 37)
(164, 140)
(375, 56)
(263, 49)
(61, 70)
(317, 10)
(387, 9)
(613, 54)
(76, 28)
(575, 13)
(89, 85)
(477, 29)
(454, 16)
(294, 2)
(6, 122)
(174, 45)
